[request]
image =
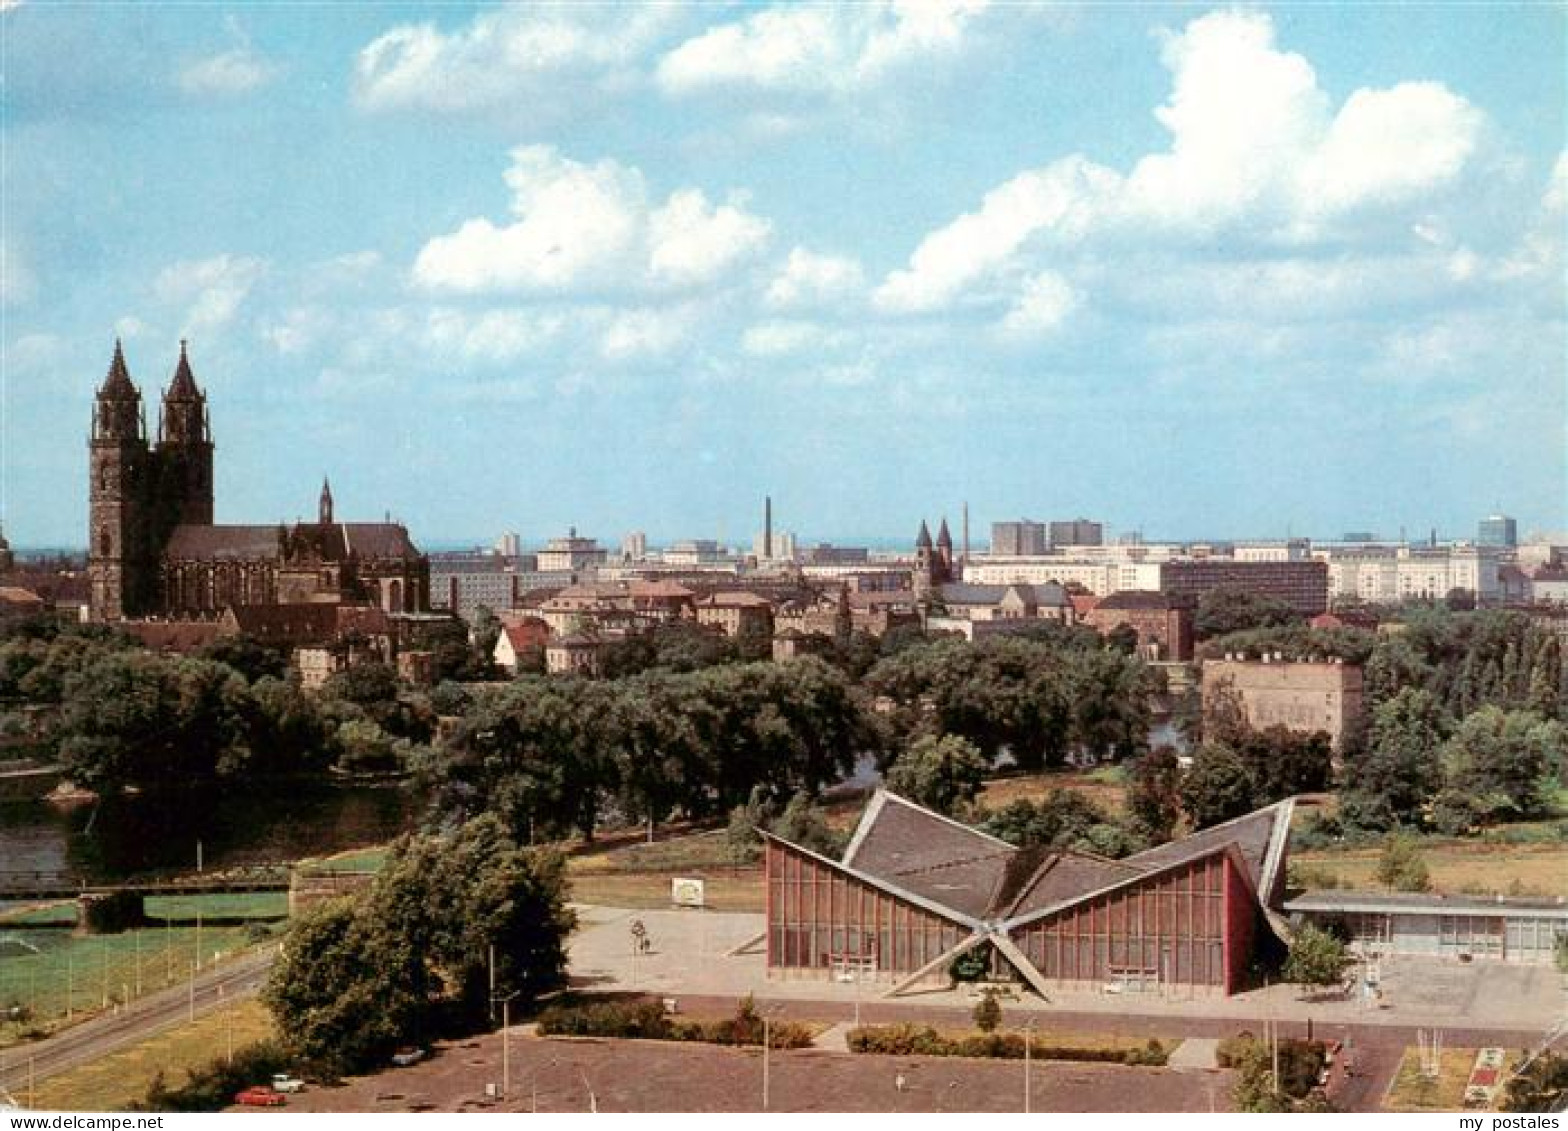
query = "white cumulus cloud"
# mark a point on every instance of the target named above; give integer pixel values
(817, 47)
(579, 226)
(1044, 304)
(812, 278)
(518, 58)
(227, 74)
(1256, 152)
(211, 290)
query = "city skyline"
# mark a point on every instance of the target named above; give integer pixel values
(871, 261)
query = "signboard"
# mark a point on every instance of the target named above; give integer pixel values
(687, 893)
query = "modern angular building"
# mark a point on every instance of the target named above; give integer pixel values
(916, 891)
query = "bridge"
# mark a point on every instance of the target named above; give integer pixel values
(39, 886)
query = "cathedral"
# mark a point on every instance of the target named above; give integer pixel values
(154, 551)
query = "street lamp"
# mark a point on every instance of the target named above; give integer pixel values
(767, 1019)
(1028, 1041)
(506, 1039)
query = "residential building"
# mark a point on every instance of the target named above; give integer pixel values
(1023, 538)
(1163, 623)
(634, 547)
(518, 636)
(736, 613)
(571, 554)
(1300, 696)
(1303, 585)
(1077, 532)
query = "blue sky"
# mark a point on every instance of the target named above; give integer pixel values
(1195, 270)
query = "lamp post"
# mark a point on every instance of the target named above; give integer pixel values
(767, 1020)
(506, 1039)
(1028, 1041)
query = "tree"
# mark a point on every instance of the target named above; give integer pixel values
(1218, 786)
(939, 773)
(1401, 866)
(988, 1012)
(1542, 1086)
(246, 655)
(1226, 609)
(358, 978)
(1154, 794)
(1316, 958)
(344, 993)
(1500, 761)
(1063, 819)
(1399, 773)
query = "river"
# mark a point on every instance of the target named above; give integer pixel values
(249, 824)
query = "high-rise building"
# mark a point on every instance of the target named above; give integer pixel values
(1497, 530)
(1077, 532)
(1020, 539)
(634, 547)
(509, 545)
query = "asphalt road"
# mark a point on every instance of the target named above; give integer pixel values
(140, 1019)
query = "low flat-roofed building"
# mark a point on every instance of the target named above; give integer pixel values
(1504, 928)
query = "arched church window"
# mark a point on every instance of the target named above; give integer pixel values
(105, 543)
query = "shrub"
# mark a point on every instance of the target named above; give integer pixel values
(211, 1086)
(646, 1020)
(988, 1013)
(922, 1040)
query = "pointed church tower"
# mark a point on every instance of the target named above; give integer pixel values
(325, 511)
(185, 448)
(924, 557)
(122, 581)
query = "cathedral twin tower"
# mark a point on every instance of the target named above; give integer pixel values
(140, 490)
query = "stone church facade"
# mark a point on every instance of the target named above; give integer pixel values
(154, 550)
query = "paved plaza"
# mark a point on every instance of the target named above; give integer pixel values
(696, 953)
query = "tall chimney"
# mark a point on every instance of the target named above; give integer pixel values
(964, 561)
(767, 527)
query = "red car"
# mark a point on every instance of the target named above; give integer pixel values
(260, 1096)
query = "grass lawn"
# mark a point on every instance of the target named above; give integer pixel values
(1411, 1091)
(371, 859)
(229, 905)
(739, 890)
(123, 1077)
(1104, 787)
(59, 975)
(1457, 866)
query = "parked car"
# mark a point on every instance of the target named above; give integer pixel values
(283, 1082)
(406, 1056)
(260, 1096)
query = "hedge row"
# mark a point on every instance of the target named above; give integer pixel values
(211, 1086)
(922, 1040)
(648, 1021)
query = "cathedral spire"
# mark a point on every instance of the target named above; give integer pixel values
(923, 539)
(326, 502)
(183, 387)
(117, 384)
(944, 537)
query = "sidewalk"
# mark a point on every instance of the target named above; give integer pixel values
(694, 953)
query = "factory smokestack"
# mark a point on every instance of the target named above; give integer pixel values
(767, 527)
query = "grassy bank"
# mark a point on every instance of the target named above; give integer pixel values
(49, 977)
(124, 1076)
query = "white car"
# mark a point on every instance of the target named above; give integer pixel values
(404, 1057)
(283, 1082)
